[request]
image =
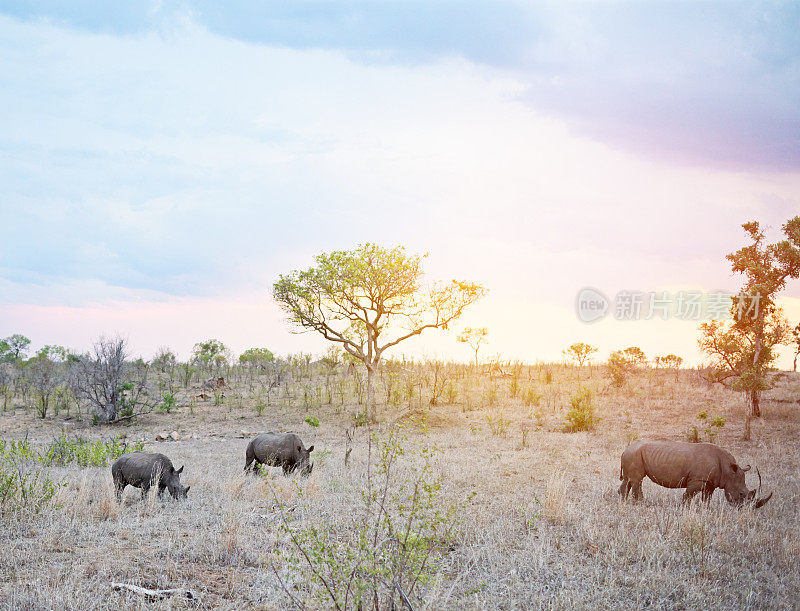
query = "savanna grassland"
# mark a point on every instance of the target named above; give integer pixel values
(490, 503)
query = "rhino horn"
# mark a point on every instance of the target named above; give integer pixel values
(745, 469)
(762, 502)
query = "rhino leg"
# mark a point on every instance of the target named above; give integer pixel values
(119, 486)
(691, 490)
(636, 486)
(708, 492)
(250, 456)
(625, 488)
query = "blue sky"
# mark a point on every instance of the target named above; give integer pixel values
(186, 153)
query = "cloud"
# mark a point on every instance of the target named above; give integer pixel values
(711, 83)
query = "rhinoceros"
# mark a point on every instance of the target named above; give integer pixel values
(697, 467)
(143, 470)
(278, 450)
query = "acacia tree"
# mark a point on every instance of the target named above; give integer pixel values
(743, 349)
(357, 298)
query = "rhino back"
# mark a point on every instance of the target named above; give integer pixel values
(674, 463)
(137, 467)
(276, 447)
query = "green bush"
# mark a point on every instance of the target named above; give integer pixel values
(581, 416)
(168, 403)
(63, 451)
(312, 421)
(714, 425)
(387, 553)
(24, 490)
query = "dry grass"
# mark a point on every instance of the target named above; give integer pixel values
(540, 526)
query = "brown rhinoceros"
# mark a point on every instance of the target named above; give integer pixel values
(278, 450)
(697, 467)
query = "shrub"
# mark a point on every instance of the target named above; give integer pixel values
(581, 416)
(387, 552)
(498, 425)
(168, 403)
(312, 421)
(620, 366)
(63, 451)
(714, 425)
(24, 490)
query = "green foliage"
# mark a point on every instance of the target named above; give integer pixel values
(211, 354)
(63, 451)
(353, 297)
(256, 357)
(312, 421)
(168, 403)
(25, 490)
(13, 348)
(711, 428)
(581, 416)
(388, 551)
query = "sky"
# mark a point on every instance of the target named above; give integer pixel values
(161, 163)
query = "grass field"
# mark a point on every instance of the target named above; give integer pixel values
(538, 525)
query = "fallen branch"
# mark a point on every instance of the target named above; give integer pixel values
(155, 594)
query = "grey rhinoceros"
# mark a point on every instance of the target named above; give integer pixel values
(143, 470)
(284, 450)
(697, 467)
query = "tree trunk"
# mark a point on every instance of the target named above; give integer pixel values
(755, 398)
(747, 419)
(371, 393)
(794, 364)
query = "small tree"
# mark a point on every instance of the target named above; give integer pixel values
(165, 361)
(256, 358)
(796, 345)
(620, 366)
(211, 354)
(355, 298)
(111, 384)
(475, 338)
(580, 353)
(44, 376)
(13, 348)
(743, 349)
(635, 356)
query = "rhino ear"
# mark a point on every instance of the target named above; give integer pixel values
(734, 467)
(310, 449)
(179, 471)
